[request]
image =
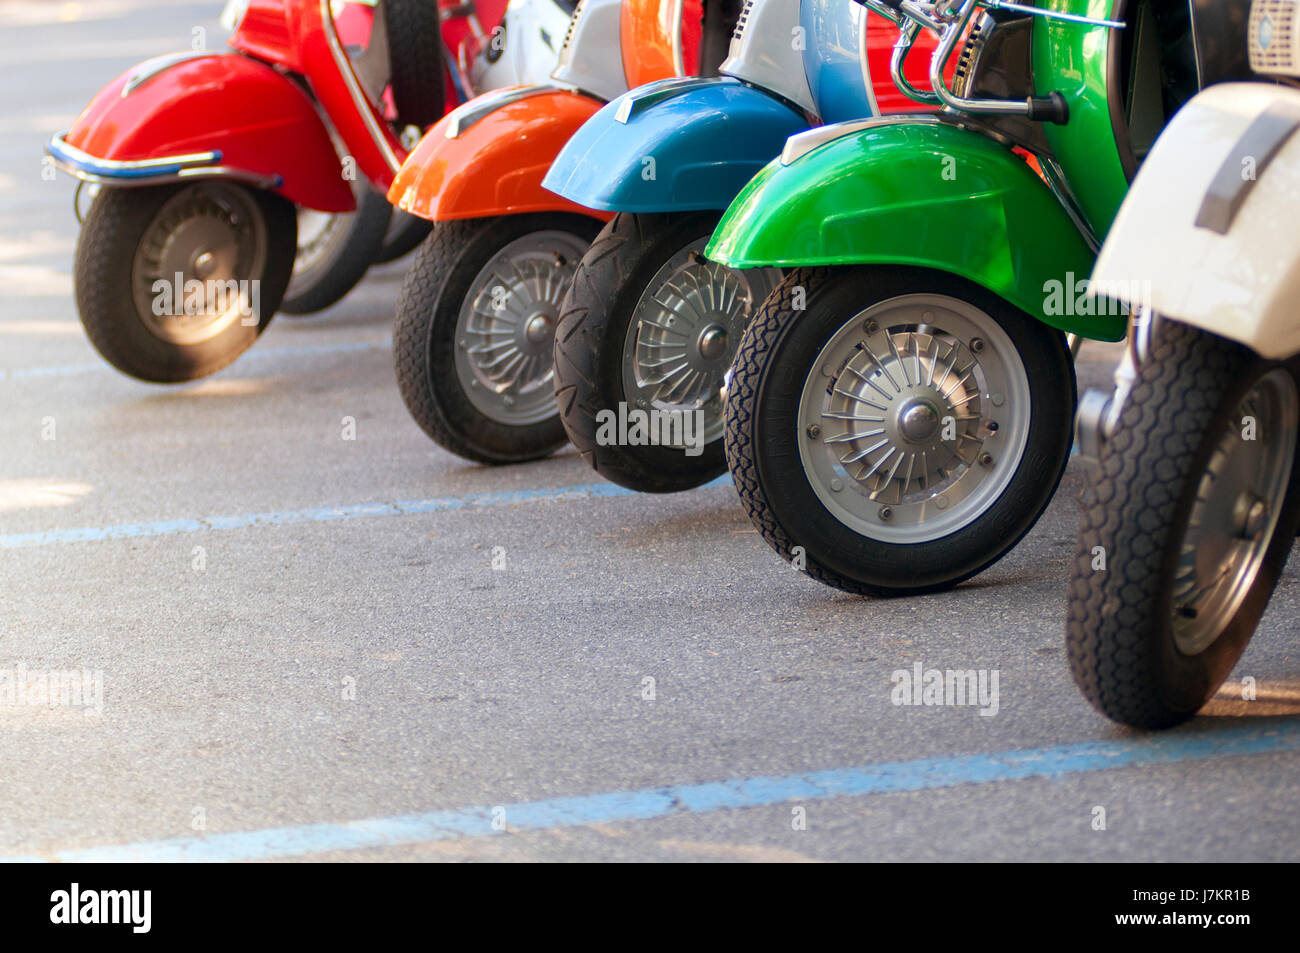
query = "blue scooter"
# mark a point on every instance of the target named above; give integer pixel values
(649, 327)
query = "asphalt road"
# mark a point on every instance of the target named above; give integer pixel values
(300, 662)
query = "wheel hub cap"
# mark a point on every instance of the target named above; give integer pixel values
(212, 234)
(713, 342)
(1235, 514)
(684, 332)
(917, 421)
(906, 432)
(540, 329)
(506, 328)
(316, 233)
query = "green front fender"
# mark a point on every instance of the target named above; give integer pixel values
(920, 193)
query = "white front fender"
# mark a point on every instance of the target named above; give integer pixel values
(1209, 235)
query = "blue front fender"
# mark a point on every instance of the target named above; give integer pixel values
(673, 146)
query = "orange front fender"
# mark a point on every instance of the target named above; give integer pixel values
(472, 167)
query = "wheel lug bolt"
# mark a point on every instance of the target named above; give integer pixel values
(986, 459)
(871, 327)
(886, 513)
(976, 345)
(814, 431)
(993, 426)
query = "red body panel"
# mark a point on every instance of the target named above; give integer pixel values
(257, 118)
(458, 32)
(315, 60)
(256, 115)
(881, 36)
(496, 166)
(270, 30)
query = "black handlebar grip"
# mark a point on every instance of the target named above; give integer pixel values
(1050, 108)
(892, 4)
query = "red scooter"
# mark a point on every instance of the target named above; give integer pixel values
(201, 158)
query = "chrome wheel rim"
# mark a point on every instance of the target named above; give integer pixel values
(212, 233)
(914, 418)
(316, 232)
(685, 331)
(505, 332)
(1234, 516)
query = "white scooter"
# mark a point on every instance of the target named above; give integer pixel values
(1194, 499)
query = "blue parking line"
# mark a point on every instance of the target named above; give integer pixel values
(260, 354)
(324, 514)
(675, 800)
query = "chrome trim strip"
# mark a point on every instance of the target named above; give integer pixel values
(1058, 184)
(262, 181)
(137, 172)
(679, 57)
(657, 92)
(160, 64)
(1031, 10)
(75, 159)
(359, 98)
(802, 143)
(866, 67)
(480, 107)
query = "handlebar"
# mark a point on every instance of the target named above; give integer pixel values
(948, 19)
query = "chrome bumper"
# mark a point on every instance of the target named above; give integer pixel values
(137, 172)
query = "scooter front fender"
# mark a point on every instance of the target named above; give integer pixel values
(207, 114)
(1207, 235)
(675, 145)
(921, 192)
(488, 156)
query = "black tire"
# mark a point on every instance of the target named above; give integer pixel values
(428, 308)
(405, 232)
(348, 248)
(415, 61)
(774, 360)
(110, 238)
(1120, 639)
(597, 316)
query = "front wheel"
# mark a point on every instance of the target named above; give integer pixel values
(174, 282)
(475, 330)
(646, 332)
(1189, 524)
(896, 430)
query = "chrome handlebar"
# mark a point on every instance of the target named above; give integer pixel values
(948, 19)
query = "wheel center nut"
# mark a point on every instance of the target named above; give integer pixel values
(204, 265)
(918, 421)
(539, 329)
(1256, 519)
(713, 342)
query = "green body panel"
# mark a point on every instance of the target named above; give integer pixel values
(1073, 58)
(918, 193)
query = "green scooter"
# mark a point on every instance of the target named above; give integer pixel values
(899, 412)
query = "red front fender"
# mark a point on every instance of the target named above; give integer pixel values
(262, 125)
(493, 165)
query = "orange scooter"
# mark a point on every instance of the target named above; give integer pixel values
(476, 316)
